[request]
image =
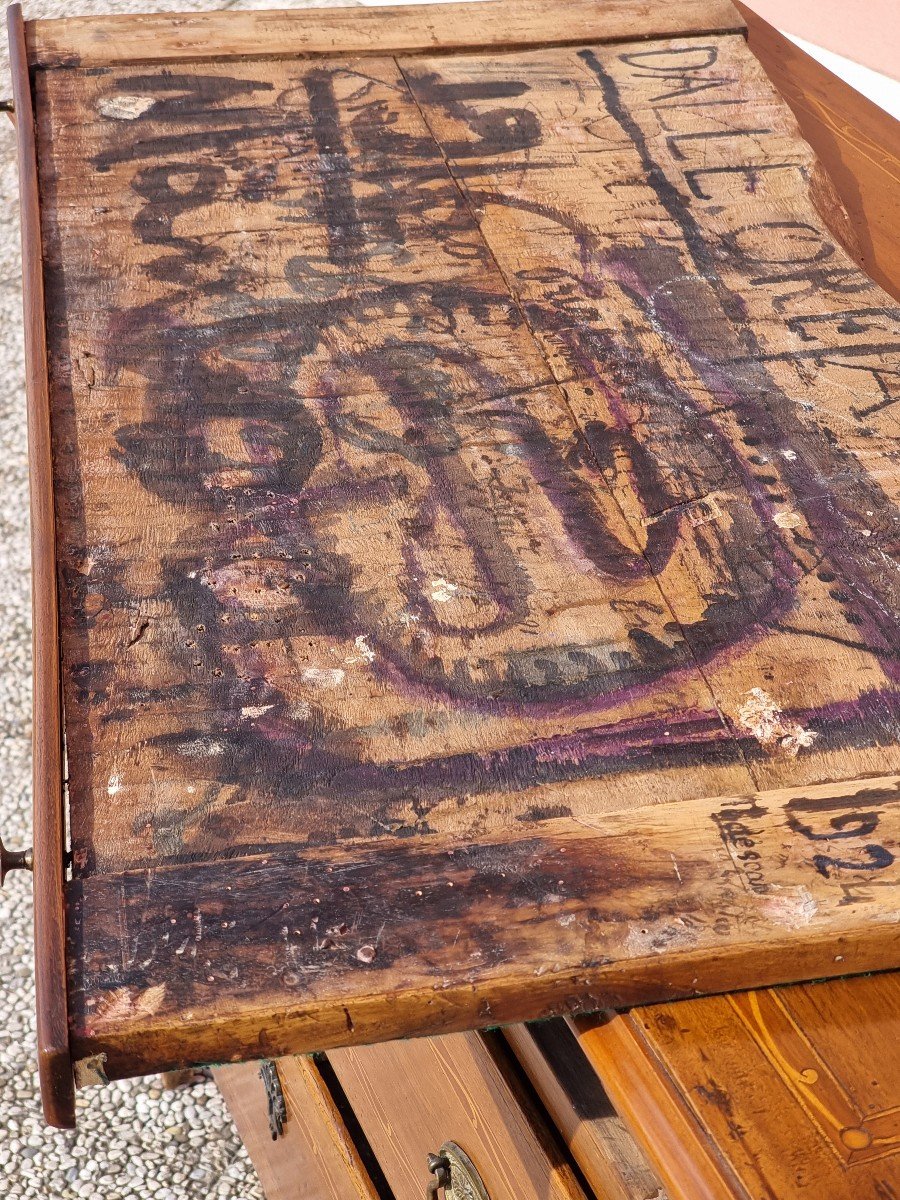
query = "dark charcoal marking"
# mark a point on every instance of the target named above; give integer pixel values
(835, 521)
(338, 210)
(705, 135)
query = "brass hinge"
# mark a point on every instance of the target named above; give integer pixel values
(275, 1097)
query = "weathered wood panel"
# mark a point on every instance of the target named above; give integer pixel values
(785, 1092)
(665, 252)
(154, 37)
(453, 456)
(338, 560)
(541, 566)
(284, 953)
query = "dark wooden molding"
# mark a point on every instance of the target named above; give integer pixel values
(57, 1087)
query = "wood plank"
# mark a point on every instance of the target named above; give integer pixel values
(791, 1091)
(691, 1166)
(609, 1158)
(54, 1062)
(843, 727)
(857, 143)
(312, 950)
(315, 1157)
(103, 41)
(411, 1097)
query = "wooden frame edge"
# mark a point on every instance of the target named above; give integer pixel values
(409, 29)
(177, 1042)
(653, 1110)
(776, 887)
(54, 1059)
(845, 129)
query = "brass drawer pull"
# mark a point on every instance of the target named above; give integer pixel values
(14, 860)
(455, 1174)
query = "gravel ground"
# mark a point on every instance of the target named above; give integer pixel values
(134, 1139)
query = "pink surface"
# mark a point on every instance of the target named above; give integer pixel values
(868, 31)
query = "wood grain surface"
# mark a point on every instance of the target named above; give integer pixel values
(611, 1161)
(286, 953)
(486, 454)
(315, 1157)
(54, 1063)
(152, 37)
(857, 143)
(763, 1095)
(411, 1097)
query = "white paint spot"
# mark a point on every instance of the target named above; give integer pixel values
(364, 653)
(254, 711)
(124, 107)
(790, 455)
(788, 519)
(760, 714)
(324, 677)
(114, 786)
(792, 907)
(201, 747)
(764, 719)
(799, 739)
(443, 590)
(408, 619)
